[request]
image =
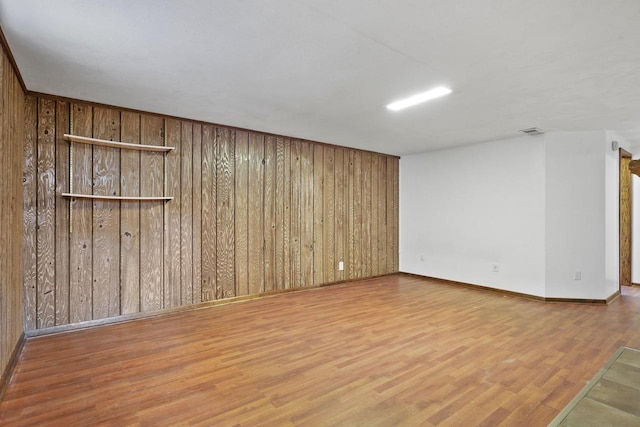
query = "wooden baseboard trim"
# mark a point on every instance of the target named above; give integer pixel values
(191, 307)
(614, 296)
(607, 301)
(580, 300)
(8, 370)
(635, 284)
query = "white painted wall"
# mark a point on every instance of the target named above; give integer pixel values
(540, 208)
(575, 215)
(468, 208)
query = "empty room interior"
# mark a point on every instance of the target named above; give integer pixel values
(319, 213)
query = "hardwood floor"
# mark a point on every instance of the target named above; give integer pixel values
(392, 351)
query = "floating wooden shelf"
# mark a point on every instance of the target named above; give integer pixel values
(133, 198)
(114, 144)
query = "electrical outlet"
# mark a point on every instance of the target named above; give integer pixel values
(577, 275)
(496, 268)
(421, 258)
(340, 266)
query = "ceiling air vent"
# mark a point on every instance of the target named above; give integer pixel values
(532, 131)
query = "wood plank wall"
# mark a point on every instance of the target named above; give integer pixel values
(251, 213)
(11, 135)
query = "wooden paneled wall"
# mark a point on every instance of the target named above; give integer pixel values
(251, 213)
(11, 136)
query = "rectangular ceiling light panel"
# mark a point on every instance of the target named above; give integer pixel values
(419, 98)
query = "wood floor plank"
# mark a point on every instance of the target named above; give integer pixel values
(395, 350)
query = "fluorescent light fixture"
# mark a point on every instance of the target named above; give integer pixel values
(419, 98)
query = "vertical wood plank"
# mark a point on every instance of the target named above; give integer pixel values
(351, 242)
(62, 214)
(151, 216)
(11, 291)
(330, 266)
(269, 213)
(46, 227)
(625, 225)
(17, 326)
(389, 214)
(318, 214)
(197, 213)
(396, 216)
(225, 163)
(340, 211)
(365, 252)
(209, 238)
(357, 215)
(5, 161)
(256, 217)
(171, 223)
(286, 219)
(375, 172)
(29, 246)
(186, 213)
(130, 216)
(106, 218)
(279, 217)
(382, 216)
(295, 219)
(306, 217)
(348, 213)
(12, 136)
(81, 251)
(242, 213)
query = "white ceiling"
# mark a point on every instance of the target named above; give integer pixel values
(325, 69)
